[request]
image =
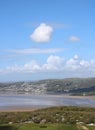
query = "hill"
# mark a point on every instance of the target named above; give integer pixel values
(73, 86)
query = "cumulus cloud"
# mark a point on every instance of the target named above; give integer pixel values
(80, 66)
(53, 63)
(74, 39)
(74, 66)
(73, 63)
(30, 67)
(42, 33)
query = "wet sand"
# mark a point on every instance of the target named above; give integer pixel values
(31, 108)
(18, 109)
(68, 96)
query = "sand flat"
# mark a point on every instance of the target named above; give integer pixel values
(58, 98)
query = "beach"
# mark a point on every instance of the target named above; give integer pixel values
(30, 103)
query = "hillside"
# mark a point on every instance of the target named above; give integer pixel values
(75, 86)
(71, 85)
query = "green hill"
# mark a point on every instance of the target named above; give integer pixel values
(70, 85)
(74, 86)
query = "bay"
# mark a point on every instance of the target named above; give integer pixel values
(40, 101)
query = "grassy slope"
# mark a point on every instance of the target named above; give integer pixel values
(51, 115)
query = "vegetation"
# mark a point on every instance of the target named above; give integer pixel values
(55, 118)
(66, 115)
(7, 127)
(45, 127)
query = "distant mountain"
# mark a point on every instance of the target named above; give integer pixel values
(73, 86)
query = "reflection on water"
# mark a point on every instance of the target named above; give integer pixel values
(43, 101)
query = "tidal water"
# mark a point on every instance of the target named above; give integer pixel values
(40, 101)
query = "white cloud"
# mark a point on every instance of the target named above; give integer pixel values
(84, 63)
(74, 39)
(32, 66)
(73, 63)
(80, 66)
(11, 69)
(72, 67)
(53, 63)
(42, 33)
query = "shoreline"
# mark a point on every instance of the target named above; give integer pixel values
(49, 95)
(19, 109)
(70, 96)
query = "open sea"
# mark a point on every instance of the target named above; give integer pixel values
(39, 101)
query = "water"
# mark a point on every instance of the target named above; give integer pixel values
(8, 102)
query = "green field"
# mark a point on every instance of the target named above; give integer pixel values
(45, 127)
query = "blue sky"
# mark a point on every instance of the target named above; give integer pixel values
(43, 39)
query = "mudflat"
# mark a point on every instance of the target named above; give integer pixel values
(32, 108)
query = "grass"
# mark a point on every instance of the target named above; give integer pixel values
(52, 119)
(47, 127)
(43, 127)
(52, 127)
(7, 127)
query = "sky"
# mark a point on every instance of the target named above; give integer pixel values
(44, 39)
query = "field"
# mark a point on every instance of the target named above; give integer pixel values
(45, 127)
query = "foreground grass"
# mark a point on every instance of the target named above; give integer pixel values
(45, 127)
(55, 118)
(39, 127)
